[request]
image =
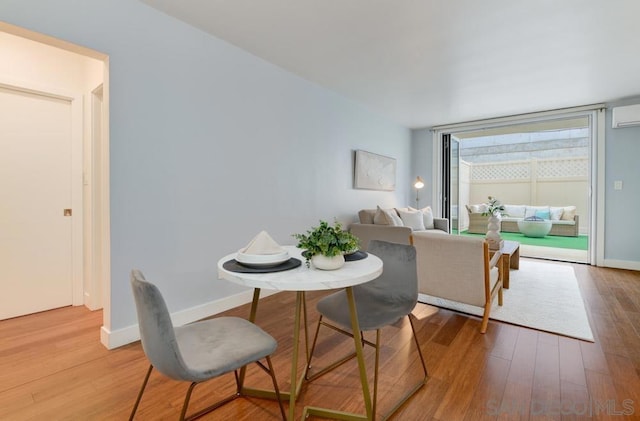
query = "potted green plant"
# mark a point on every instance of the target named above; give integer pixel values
(325, 245)
(494, 207)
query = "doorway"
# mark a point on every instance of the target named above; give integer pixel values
(53, 75)
(536, 161)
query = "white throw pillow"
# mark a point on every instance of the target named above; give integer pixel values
(514, 211)
(568, 213)
(387, 217)
(427, 216)
(555, 213)
(413, 219)
(481, 208)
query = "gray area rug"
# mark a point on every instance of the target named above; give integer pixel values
(541, 295)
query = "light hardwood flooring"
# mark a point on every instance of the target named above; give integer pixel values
(53, 367)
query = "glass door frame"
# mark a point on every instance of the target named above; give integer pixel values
(596, 116)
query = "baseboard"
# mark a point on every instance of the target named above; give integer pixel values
(116, 338)
(621, 264)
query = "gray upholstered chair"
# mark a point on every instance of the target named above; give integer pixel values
(379, 303)
(198, 351)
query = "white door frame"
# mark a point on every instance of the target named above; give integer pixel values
(75, 100)
(100, 260)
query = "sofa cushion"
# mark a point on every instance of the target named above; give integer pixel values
(555, 213)
(531, 210)
(412, 218)
(481, 208)
(427, 214)
(568, 213)
(561, 222)
(387, 217)
(515, 211)
(366, 216)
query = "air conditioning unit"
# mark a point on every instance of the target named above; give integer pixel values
(626, 116)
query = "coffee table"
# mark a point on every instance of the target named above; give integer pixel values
(537, 229)
(510, 259)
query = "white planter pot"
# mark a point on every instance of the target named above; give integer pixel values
(327, 263)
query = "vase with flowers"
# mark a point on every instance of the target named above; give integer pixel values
(495, 211)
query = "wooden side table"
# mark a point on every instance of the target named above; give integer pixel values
(510, 259)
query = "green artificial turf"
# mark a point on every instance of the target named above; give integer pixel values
(578, 243)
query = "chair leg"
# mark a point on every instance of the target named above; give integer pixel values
(415, 388)
(415, 338)
(313, 348)
(144, 384)
(275, 387)
(485, 318)
(337, 363)
(186, 400)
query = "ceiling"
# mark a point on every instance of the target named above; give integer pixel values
(422, 63)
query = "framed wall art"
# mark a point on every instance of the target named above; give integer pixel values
(374, 172)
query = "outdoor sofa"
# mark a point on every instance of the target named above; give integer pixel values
(564, 220)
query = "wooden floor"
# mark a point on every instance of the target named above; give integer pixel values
(53, 367)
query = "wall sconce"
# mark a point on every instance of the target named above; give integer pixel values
(418, 184)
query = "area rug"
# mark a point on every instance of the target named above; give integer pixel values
(541, 295)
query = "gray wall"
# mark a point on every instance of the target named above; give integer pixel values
(421, 163)
(210, 145)
(622, 162)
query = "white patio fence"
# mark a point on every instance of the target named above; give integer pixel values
(552, 182)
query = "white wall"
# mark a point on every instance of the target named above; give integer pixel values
(209, 145)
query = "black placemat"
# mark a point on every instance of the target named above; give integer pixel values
(351, 257)
(358, 255)
(234, 266)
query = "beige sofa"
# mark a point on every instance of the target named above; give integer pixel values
(391, 228)
(564, 220)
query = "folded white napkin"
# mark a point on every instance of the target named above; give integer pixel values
(262, 244)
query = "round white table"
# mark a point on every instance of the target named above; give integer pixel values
(303, 279)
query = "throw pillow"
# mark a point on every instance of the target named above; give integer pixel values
(412, 219)
(387, 217)
(366, 216)
(531, 210)
(481, 208)
(514, 211)
(427, 215)
(555, 213)
(568, 213)
(542, 214)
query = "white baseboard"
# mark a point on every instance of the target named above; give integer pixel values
(116, 338)
(621, 264)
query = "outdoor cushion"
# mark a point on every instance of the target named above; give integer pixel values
(515, 211)
(531, 210)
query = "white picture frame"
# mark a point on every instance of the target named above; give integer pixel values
(374, 172)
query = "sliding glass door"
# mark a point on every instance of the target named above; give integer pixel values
(450, 180)
(542, 161)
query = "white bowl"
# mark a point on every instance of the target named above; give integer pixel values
(262, 260)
